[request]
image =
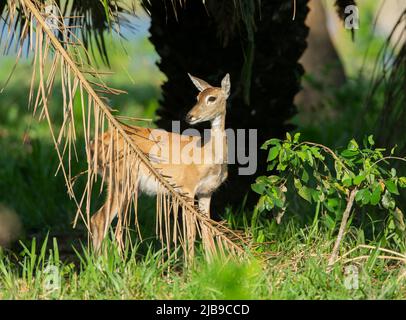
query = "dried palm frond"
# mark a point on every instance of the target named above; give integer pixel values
(57, 49)
(95, 17)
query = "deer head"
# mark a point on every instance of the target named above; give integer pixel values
(211, 101)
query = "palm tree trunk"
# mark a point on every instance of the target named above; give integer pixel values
(208, 41)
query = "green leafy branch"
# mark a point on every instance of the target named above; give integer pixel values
(333, 179)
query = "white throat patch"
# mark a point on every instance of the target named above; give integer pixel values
(216, 123)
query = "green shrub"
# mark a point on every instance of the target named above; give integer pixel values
(327, 178)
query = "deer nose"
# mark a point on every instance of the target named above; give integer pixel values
(190, 118)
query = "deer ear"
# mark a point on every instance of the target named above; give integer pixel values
(199, 83)
(226, 85)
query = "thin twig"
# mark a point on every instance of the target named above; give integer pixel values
(343, 225)
(364, 246)
(383, 257)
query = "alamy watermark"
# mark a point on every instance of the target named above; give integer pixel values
(352, 17)
(51, 17)
(52, 279)
(227, 146)
(351, 277)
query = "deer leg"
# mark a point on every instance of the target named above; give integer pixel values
(204, 204)
(102, 219)
(189, 224)
(122, 217)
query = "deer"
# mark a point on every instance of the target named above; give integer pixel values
(197, 179)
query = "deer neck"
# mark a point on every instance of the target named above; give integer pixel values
(218, 123)
(218, 139)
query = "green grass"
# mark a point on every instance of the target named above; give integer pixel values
(290, 265)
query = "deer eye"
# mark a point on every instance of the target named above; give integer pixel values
(211, 99)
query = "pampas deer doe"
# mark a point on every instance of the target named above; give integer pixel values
(197, 178)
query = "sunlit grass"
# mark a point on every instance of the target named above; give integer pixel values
(292, 265)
